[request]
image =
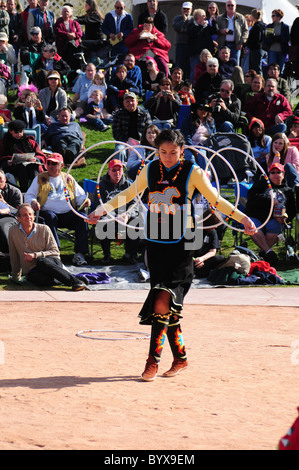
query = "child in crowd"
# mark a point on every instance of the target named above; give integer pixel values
(4, 111)
(31, 112)
(94, 111)
(186, 93)
(117, 87)
(98, 83)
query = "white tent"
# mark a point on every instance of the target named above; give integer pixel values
(266, 6)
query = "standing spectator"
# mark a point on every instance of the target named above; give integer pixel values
(16, 26)
(146, 40)
(129, 121)
(294, 48)
(212, 12)
(117, 25)
(180, 26)
(94, 42)
(199, 38)
(43, 18)
(233, 30)
(68, 34)
(277, 36)
(4, 18)
(255, 41)
(226, 107)
(159, 17)
(32, 5)
(270, 107)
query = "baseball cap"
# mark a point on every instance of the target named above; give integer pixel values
(35, 30)
(55, 157)
(130, 94)
(114, 163)
(187, 5)
(278, 166)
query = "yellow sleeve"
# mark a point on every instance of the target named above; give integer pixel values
(199, 180)
(124, 197)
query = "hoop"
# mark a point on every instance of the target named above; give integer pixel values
(82, 334)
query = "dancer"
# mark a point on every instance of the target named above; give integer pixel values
(171, 182)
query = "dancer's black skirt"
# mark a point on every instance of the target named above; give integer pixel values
(171, 269)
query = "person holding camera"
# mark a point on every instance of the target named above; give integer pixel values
(226, 107)
(164, 106)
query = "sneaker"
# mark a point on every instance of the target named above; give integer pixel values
(105, 128)
(176, 367)
(106, 260)
(271, 258)
(151, 369)
(78, 285)
(78, 259)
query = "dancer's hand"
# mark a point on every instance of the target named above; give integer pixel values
(249, 226)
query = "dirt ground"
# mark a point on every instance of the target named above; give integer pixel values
(59, 391)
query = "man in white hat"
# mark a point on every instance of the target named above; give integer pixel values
(180, 24)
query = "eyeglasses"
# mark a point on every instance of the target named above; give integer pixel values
(49, 162)
(273, 16)
(119, 8)
(224, 90)
(230, 5)
(212, 65)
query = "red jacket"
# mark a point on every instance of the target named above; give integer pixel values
(139, 47)
(61, 34)
(260, 107)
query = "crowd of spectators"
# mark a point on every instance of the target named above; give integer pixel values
(228, 67)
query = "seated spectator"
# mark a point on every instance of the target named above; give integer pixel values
(259, 141)
(25, 149)
(32, 113)
(176, 77)
(259, 204)
(146, 40)
(152, 75)
(134, 72)
(49, 61)
(81, 88)
(242, 82)
(129, 122)
(99, 83)
(282, 85)
(5, 113)
(282, 152)
(206, 258)
(20, 101)
(226, 63)
(7, 49)
(117, 87)
(226, 107)
(10, 199)
(33, 48)
(270, 107)
(47, 195)
(186, 93)
(35, 255)
(111, 184)
(256, 86)
(196, 128)
(294, 128)
(53, 97)
(164, 106)
(94, 111)
(209, 82)
(134, 162)
(65, 137)
(201, 67)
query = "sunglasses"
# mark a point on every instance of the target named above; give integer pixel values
(223, 90)
(276, 172)
(49, 162)
(212, 65)
(53, 78)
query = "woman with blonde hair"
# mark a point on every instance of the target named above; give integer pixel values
(287, 155)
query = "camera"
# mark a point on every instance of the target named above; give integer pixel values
(217, 107)
(164, 93)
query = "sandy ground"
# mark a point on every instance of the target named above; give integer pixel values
(59, 391)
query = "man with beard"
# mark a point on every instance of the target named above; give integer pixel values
(270, 107)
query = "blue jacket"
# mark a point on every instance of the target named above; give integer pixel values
(126, 26)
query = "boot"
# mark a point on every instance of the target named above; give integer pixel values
(176, 367)
(151, 369)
